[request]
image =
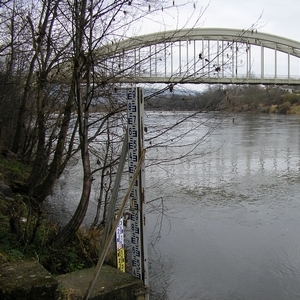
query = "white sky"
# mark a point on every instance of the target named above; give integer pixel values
(278, 17)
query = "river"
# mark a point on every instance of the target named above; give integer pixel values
(222, 223)
(232, 216)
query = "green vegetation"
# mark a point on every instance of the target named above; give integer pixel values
(24, 233)
(12, 170)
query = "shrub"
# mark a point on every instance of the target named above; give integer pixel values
(284, 108)
(291, 98)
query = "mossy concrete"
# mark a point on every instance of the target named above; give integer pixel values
(26, 280)
(111, 284)
(29, 280)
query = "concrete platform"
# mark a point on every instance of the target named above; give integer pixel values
(26, 280)
(111, 284)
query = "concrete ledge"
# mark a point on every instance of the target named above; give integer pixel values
(111, 284)
(26, 280)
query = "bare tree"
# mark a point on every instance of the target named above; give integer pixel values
(13, 63)
(93, 74)
(68, 74)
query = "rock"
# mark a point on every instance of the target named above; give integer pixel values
(27, 280)
(5, 190)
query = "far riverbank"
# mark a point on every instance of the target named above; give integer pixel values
(285, 108)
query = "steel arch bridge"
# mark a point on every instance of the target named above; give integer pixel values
(201, 55)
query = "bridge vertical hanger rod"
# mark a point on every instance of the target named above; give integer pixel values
(218, 55)
(194, 58)
(262, 59)
(123, 60)
(247, 61)
(120, 61)
(179, 58)
(187, 57)
(165, 45)
(208, 54)
(135, 63)
(236, 59)
(223, 66)
(275, 62)
(171, 59)
(202, 56)
(150, 56)
(155, 60)
(289, 65)
(250, 63)
(139, 61)
(232, 58)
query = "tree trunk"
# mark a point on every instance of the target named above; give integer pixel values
(83, 102)
(45, 187)
(73, 225)
(24, 100)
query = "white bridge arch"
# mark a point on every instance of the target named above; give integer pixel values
(201, 55)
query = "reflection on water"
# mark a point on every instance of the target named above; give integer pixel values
(226, 221)
(232, 217)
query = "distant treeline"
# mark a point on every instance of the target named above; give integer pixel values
(243, 98)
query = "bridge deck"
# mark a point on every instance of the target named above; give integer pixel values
(208, 80)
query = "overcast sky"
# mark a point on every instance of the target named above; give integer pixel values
(278, 17)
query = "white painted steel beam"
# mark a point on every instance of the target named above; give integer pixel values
(138, 59)
(226, 34)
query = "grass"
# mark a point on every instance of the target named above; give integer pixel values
(12, 170)
(295, 110)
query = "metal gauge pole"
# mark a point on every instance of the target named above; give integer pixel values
(139, 251)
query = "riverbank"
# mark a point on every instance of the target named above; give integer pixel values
(33, 269)
(25, 232)
(284, 108)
